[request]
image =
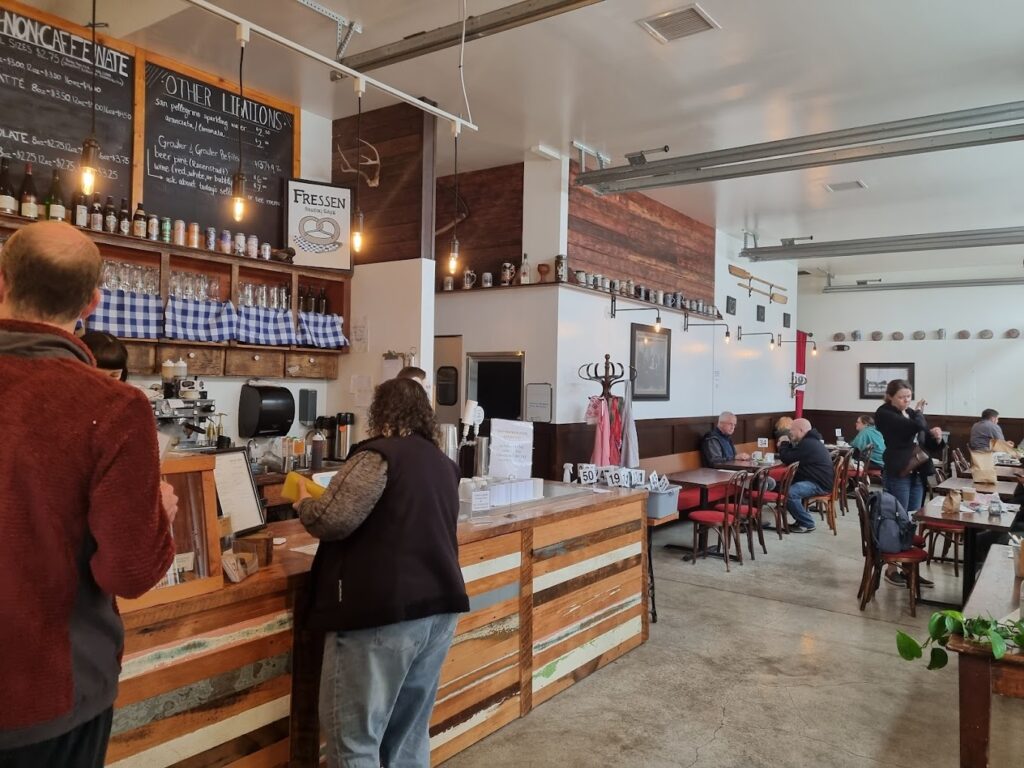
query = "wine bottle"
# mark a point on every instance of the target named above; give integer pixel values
(7, 202)
(96, 215)
(124, 219)
(55, 210)
(28, 197)
(81, 211)
(139, 222)
(321, 304)
(109, 216)
(302, 298)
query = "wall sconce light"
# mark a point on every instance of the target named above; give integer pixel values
(657, 321)
(808, 340)
(687, 325)
(771, 336)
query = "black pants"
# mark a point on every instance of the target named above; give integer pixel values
(82, 747)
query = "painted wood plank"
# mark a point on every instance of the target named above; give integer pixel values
(585, 580)
(573, 527)
(526, 625)
(585, 623)
(488, 549)
(568, 609)
(214, 729)
(593, 649)
(451, 742)
(490, 583)
(487, 568)
(562, 553)
(269, 757)
(465, 699)
(596, 562)
(240, 747)
(467, 656)
(539, 697)
(585, 635)
(477, 619)
(449, 687)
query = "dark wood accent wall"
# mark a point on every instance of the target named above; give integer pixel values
(633, 236)
(558, 444)
(395, 211)
(492, 233)
(959, 427)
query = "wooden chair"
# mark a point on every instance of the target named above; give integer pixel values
(826, 503)
(960, 465)
(874, 561)
(724, 522)
(951, 533)
(749, 508)
(777, 499)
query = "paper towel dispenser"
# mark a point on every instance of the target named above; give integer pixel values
(265, 411)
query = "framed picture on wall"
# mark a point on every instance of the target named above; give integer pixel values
(786, 319)
(760, 313)
(730, 305)
(650, 353)
(318, 223)
(874, 377)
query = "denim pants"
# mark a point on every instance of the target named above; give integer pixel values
(377, 690)
(909, 491)
(81, 747)
(799, 491)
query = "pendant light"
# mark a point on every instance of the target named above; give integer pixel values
(453, 255)
(357, 218)
(238, 180)
(90, 161)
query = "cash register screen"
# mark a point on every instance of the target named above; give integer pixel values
(237, 496)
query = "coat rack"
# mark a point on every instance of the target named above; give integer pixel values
(614, 373)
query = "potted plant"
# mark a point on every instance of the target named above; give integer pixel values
(944, 624)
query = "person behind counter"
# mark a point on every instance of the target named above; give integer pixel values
(110, 353)
(79, 527)
(386, 583)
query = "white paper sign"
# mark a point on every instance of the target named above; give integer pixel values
(839, 433)
(762, 442)
(538, 402)
(511, 449)
(481, 501)
(318, 223)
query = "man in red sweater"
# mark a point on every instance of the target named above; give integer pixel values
(83, 513)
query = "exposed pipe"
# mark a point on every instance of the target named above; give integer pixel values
(977, 283)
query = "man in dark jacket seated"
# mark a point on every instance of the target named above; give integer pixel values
(814, 475)
(716, 447)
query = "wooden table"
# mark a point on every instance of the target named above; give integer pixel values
(1005, 472)
(652, 523)
(997, 594)
(703, 478)
(747, 465)
(1002, 487)
(972, 522)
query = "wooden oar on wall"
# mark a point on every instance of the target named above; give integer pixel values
(778, 298)
(743, 274)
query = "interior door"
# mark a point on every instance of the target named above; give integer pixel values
(448, 379)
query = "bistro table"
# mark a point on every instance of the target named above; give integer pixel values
(1008, 472)
(997, 594)
(652, 523)
(747, 465)
(972, 522)
(704, 478)
(1002, 487)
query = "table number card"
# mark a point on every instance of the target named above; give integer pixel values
(587, 473)
(762, 442)
(481, 501)
(638, 477)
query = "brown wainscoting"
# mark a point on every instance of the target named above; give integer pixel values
(558, 444)
(959, 427)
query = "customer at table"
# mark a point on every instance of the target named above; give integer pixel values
(813, 477)
(716, 447)
(77, 526)
(905, 429)
(387, 524)
(868, 436)
(985, 431)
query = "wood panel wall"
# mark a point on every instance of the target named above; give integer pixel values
(395, 212)
(492, 233)
(633, 236)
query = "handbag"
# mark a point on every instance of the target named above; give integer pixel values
(918, 458)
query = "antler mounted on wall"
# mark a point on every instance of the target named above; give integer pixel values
(460, 216)
(372, 165)
(777, 298)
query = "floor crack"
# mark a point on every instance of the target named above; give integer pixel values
(699, 747)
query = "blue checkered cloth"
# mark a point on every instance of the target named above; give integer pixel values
(193, 320)
(324, 331)
(128, 315)
(258, 325)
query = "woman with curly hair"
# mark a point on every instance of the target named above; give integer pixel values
(386, 583)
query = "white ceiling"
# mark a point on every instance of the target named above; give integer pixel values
(774, 70)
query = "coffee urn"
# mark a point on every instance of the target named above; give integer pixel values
(338, 430)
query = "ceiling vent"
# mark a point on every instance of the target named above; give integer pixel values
(673, 25)
(846, 186)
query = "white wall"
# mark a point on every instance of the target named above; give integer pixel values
(957, 377)
(545, 210)
(315, 146)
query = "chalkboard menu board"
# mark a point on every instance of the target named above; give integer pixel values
(45, 104)
(191, 153)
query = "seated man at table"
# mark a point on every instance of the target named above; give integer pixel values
(985, 431)
(814, 475)
(716, 447)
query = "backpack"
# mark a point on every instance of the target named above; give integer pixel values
(891, 526)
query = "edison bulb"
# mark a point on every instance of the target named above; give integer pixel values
(357, 241)
(88, 180)
(238, 208)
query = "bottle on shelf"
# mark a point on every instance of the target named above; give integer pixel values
(124, 218)
(96, 214)
(321, 304)
(81, 218)
(524, 271)
(7, 202)
(139, 222)
(55, 209)
(109, 216)
(302, 297)
(29, 199)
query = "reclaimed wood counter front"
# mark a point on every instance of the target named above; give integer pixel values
(557, 590)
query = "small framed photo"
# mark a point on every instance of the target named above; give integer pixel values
(760, 313)
(787, 319)
(650, 354)
(875, 377)
(730, 305)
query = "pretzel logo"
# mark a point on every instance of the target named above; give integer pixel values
(318, 235)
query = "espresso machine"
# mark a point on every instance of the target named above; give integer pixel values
(194, 421)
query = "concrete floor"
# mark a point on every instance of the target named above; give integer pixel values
(770, 665)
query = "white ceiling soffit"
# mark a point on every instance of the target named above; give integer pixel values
(675, 25)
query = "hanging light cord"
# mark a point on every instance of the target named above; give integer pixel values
(241, 106)
(93, 67)
(455, 225)
(462, 77)
(359, 148)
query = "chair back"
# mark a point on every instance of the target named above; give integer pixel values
(736, 493)
(840, 468)
(960, 463)
(786, 482)
(867, 542)
(757, 487)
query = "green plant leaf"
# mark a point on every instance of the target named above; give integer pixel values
(908, 647)
(998, 644)
(937, 626)
(954, 624)
(1004, 632)
(939, 659)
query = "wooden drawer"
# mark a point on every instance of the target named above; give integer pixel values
(254, 362)
(311, 365)
(201, 361)
(142, 359)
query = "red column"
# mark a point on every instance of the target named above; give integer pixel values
(801, 367)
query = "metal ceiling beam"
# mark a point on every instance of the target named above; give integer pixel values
(490, 23)
(704, 166)
(979, 283)
(935, 241)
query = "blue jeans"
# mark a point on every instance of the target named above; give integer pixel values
(377, 691)
(909, 491)
(799, 491)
